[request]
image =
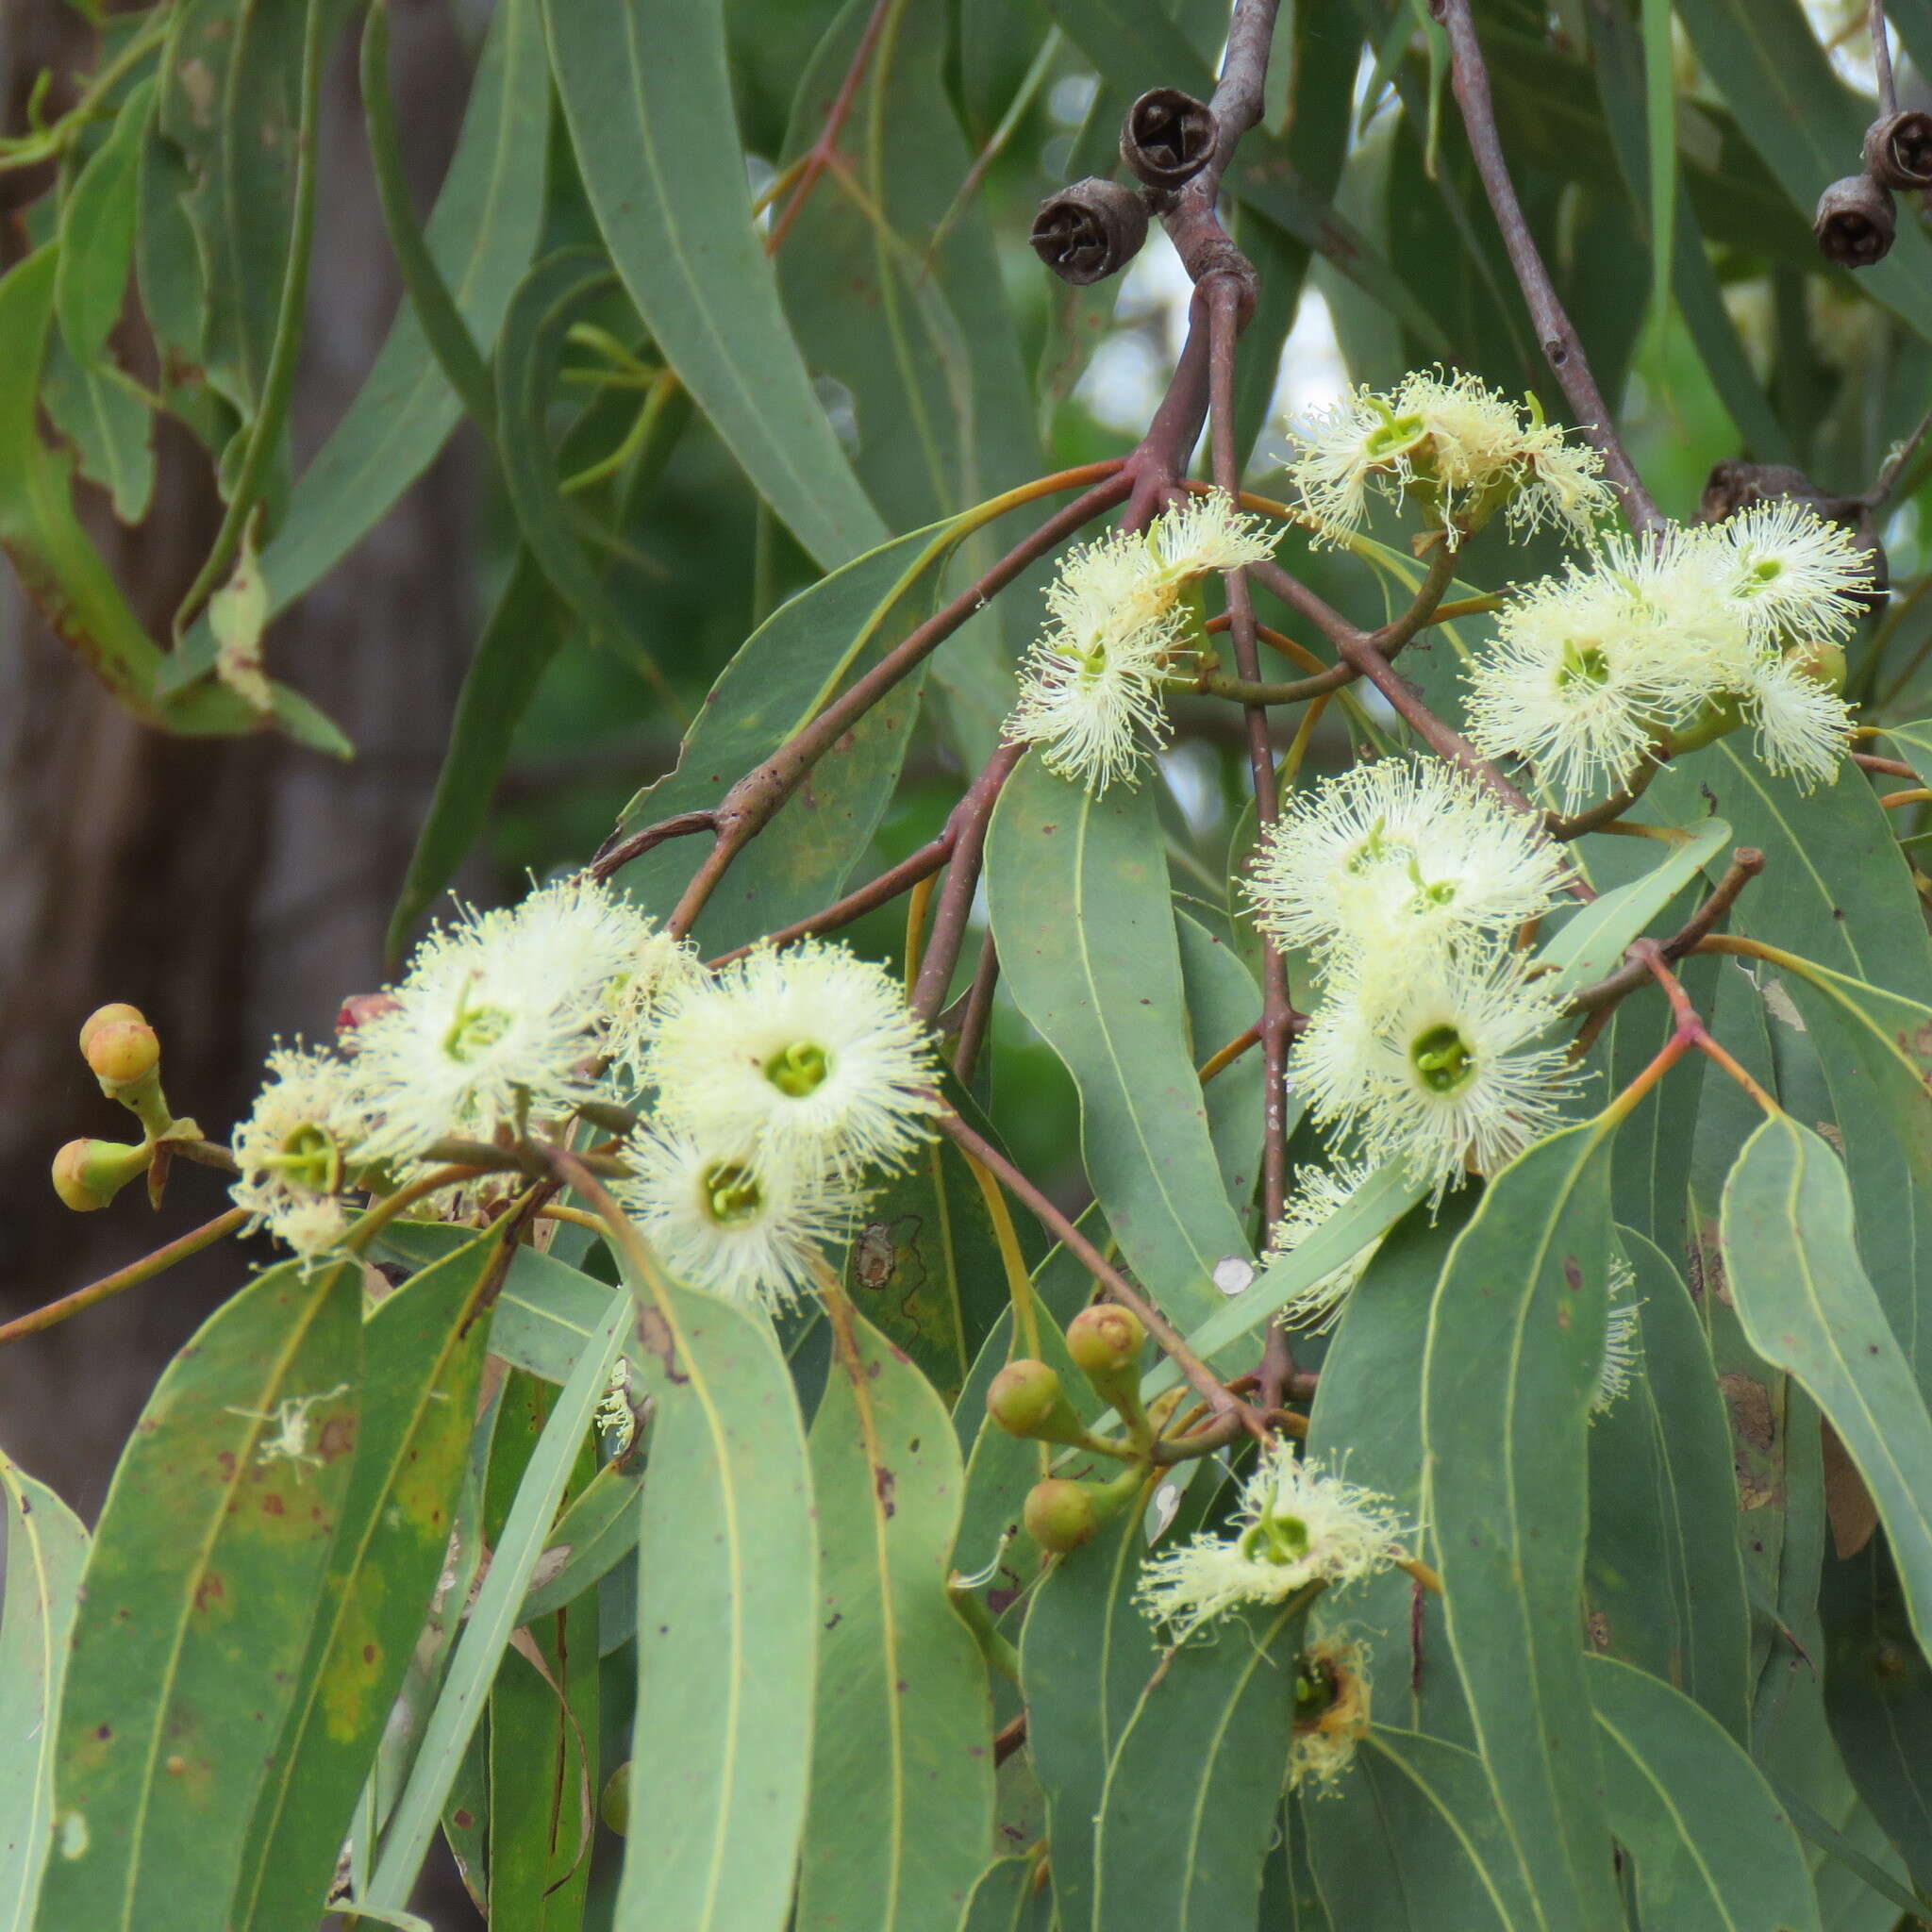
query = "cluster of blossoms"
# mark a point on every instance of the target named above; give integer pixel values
(1451, 445)
(1666, 644)
(779, 1079)
(1407, 880)
(1121, 626)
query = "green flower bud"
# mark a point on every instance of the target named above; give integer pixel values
(89, 1174)
(613, 1807)
(1025, 1399)
(1105, 1338)
(1060, 1515)
(122, 1051)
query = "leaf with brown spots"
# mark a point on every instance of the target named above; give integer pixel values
(197, 1608)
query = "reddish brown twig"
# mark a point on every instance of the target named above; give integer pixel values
(968, 826)
(822, 152)
(1200, 1377)
(977, 1018)
(1555, 331)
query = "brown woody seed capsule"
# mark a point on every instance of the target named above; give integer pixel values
(1089, 231)
(123, 1052)
(1854, 223)
(1898, 150)
(1167, 136)
(1058, 1515)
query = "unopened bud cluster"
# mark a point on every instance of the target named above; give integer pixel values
(1028, 1399)
(123, 1054)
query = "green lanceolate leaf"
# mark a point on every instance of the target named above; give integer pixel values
(1807, 1305)
(1875, 1050)
(727, 1622)
(1412, 1840)
(1713, 1847)
(1187, 1852)
(1079, 895)
(1878, 1697)
(648, 94)
(493, 1617)
(200, 1594)
(1516, 1338)
(901, 1808)
(1012, 1896)
(480, 234)
(96, 233)
(1665, 1586)
(46, 1549)
(785, 672)
(1222, 1002)
(546, 1313)
(1086, 1654)
(423, 1347)
(1367, 1417)
(1835, 886)
(599, 1529)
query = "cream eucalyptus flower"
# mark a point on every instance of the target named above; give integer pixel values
(298, 1149)
(1331, 1715)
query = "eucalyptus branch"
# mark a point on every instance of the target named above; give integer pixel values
(1612, 808)
(1881, 57)
(52, 1313)
(1555, 331)
(967, 826)
(1747, 861)
(1200, 1377)
(977, 1016)
(742, 813)
(875, 892)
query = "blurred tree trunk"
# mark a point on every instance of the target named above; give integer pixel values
(232, 890)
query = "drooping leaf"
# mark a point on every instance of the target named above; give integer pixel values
(1516, 1338)
(1192, 1859)
(424, 1349)
(198, 1603)
(1077, 891)
(1712, 1845)
(1665, 1593)
(1878, 1697)
(480, 234)
(902, 1724)
(1223, 1001)
(1412, 1840)
(1808, 1305)
(647, 94)
(46, 1549)
(727, 1622)
(96, 233)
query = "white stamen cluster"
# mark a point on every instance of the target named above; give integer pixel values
(1090, 687)
(1408, 881)
(1451, 445)
(299, 1148)
(1296, 1526)
(1320, 1194)
(1652, 642)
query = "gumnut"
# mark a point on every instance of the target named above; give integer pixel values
(1168, 136)
(1856, 222)
(1089, 231)
(1060, 1515)
(1105, 1338)
(122, 1052)
(1025, 1399)
(1898, 150)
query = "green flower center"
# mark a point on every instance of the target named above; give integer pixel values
(1767, 570)
(1583, 665)
(1275, 1540)
(310, 1158)
(1393, 436)
(1442, 1059)
(475, 1031)
(798, 1069)
(1375, 847)
(732, 1193)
